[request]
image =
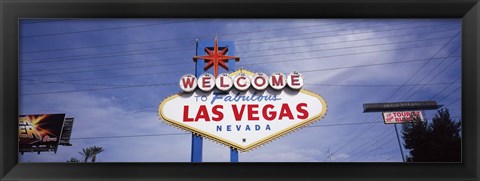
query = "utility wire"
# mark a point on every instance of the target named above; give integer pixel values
(189, 38)
(449, 94)
(434, 77)
(446, 87)
(38, 22)
(169, 134)
(130, 136)
(432, 70)
(370, 126)
(338, 55)
(95, 89)
(257, 31)
(109, 77)
(258, 63)
(257, 50)
(378, 85)
(104, 29)
(387, 142)
(166, 49)
(427, 118)
(440, 50)
(445, 68)
(178, 63)
(351, 85)
(358, 150)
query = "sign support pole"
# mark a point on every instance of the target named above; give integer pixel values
(233, 155)
(233, 152)
(399, 144)
(197, 141)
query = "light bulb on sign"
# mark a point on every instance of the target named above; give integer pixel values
(277, 81)
(260, 81)
(241, 82)
(224, 82)
(206, 82)
(188, 83)
(295, 80)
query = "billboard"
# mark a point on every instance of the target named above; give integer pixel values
(242, 119)
(400, 106)
(40, 132)
(402, 117)
(66, 132)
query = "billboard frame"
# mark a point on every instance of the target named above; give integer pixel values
(47, 149)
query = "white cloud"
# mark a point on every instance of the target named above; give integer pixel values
(133, 111)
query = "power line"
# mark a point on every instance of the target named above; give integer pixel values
(95, 89)
(97, 84)
(433, 78)
(447, 105)
(389, 158)
(257, 50)
(455, 90)
(445, 68)
(276, 36)
(258, 63)
(390, 140)
(103, 29)
(371, 125)
(377, 85)
(304, 71)
(169, 134)
(37, 22)
(365, 144)
(249, 43)
(109, 77)
(156, 65)
(190, 38)
(446, 87)
(367, 65)
(342, 124)
(116, 86)
(108, 69)
(338, 34)
(130, 136)
(382, 146)
(339, 55)
(387, 142)
(354, 137)
(411, 77)
(454, 101)
(341, 48)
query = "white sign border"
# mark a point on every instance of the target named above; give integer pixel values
(249, 147)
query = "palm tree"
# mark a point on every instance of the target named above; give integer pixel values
(96, 150)
(73, 159)
(87, 153)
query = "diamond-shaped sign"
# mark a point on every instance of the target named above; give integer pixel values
(243, 119)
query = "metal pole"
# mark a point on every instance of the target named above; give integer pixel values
(231, 66)
(399, 144)
(197, 141)
(330, 154)
(233, 155)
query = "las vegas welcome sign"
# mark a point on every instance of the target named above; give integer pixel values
(242, 110)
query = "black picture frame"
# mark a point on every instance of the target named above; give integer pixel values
(12, 10)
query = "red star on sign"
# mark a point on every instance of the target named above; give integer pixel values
(216, 58)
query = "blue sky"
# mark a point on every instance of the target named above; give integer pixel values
(111, 74)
